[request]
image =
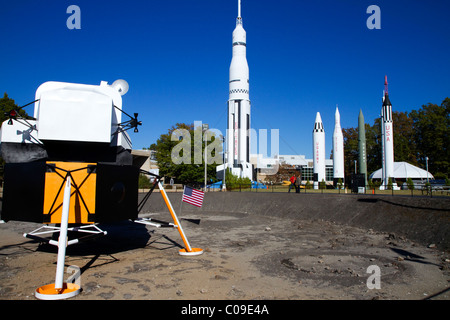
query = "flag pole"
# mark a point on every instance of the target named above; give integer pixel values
(181, 201)
(188, 251)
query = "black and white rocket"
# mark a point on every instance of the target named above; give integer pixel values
(387, 139)
(238, 129)
(338, 150)
(318, 151)
(362, 147)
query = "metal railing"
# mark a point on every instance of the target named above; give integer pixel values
(430, 191)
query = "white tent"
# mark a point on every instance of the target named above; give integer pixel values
(404, 170)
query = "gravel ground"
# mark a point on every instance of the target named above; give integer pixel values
(246, 256)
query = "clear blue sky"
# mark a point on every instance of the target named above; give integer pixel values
(304, 57)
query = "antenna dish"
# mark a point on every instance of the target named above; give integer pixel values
(121, 86)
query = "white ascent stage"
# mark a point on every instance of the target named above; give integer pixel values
(68, 114)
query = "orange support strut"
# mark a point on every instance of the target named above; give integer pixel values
(188, 250)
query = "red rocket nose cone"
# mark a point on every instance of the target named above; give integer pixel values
(385, 86)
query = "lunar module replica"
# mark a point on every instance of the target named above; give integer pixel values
(71, 166)
(78, 133)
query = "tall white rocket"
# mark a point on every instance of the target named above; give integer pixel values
(338, 150)
(238, 132)
(318, 151)
(387, 138)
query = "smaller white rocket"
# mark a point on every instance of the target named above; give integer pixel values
(387, 133)
(318, 151)
(338, 150)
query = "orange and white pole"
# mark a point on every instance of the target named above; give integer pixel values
(62, 241)
(188, 250)
(60, 290)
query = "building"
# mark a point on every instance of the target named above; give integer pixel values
(146, 160)
(269, 166)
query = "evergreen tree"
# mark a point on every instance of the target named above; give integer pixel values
(6, 106)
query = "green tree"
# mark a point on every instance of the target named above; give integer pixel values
(373, 147)
(350, 151)
(432, 135)
(410, 184)
(234, 182)
(370, 183)
(322, 185)
(187, 143)
(144, 182)
(339, 183)
(390, 183)
(404, 143)
(6, 106)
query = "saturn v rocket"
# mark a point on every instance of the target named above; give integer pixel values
(238, 129)
(387, 139)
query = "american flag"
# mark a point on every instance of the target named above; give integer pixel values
(193, 196)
